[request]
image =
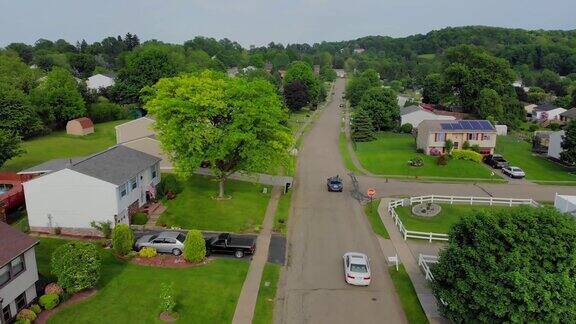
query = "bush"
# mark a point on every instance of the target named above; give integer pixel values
(49, 301)
(194, 246)
(26, 315)
(442, 160)
(466, 145)
(53, 288)
(449, 146)
(22, 322)
(36, 308)
(420, 150)
(169, 183)
(104, 110)
(467, 155)
(416, 162)
(140, 218)
(406, 128)
(147, 252)
(475, 148)
(76, 265)
(122, 239)
(104, 227)
(167, 302)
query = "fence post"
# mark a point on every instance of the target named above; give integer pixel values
(472, 200)
(430, 241)
(510, 202)
(451, 200)
(405, 234)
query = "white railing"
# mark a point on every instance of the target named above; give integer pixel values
(424, 261)
(431, 236)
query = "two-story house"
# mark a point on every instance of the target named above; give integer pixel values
(107, 186)
(18, 272)
(432, 135)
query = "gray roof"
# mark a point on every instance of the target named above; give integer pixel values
(545, 107)
(570, 113)
(52, 165)
(115, 165)
(409, 110)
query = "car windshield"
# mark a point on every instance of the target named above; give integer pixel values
(515, 169)
(334, 182)
(359, 268)
(181, 237)
(152, 237)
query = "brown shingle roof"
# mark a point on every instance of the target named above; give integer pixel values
(13, 243)
(85, 122)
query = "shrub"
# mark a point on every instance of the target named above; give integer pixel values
(53, 288)
(49, 301)
(466, 145)
(406, 128)
(104, 110)
(475, 148)
(140, 218)
(467, 155)
(26, 315)
(449, 146)
(167, 302)
(122, 239)
(169, 183)
(194, 246)
(76, 265)
(147, 252)
(442, 160)
(36, 308)
(420, 150)
(416, 162)
(104, 227)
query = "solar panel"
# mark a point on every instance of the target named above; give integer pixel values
(446, 126)
(486, 125)
(476, 124)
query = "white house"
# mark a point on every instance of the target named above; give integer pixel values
(547, 112)
(555, 144)
(107, 186)
(18, 272)
(99, 81)
(415, 115)
(565, 204)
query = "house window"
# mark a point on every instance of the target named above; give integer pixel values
(154, 171)
(4, 275)
(20, 301)
(123, 190)
(470, 136)
(485, 137)
(440, 137)
(17, 266)
(6, 314)
(133, 183)
(11, 270)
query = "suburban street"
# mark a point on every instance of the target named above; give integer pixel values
(322, 228)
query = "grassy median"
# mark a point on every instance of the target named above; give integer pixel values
(264, 312)
(408, 298)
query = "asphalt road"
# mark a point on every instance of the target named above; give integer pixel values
(325, 225)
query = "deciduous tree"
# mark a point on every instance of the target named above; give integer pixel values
(568, 155)
(382, 106)
(296, 95)
(10, 146)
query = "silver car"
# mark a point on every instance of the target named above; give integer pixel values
(164, 242)
(513, 172)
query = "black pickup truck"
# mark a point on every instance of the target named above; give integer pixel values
(228, 244)
(495, 161)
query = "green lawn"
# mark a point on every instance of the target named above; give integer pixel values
(442, 222)
(346, 158)
(264, 312)
(59, 145)
(44, 255)
(196, 208)
(408, 298)
(298, 118)
(537, 168)
(129, 293)
(390, 152)
(282, 213)
(371, 211)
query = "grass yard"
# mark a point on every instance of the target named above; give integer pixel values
(44, 252)
(442, 222)
(282, 213)
(407, 295)
(59, 145)
(264, 311)
(298, 118)
(196, 208)
(518, 153)
(390, 152)
(371, 211)
(344, 152)
(130, 293)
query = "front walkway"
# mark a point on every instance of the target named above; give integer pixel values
(410, 262)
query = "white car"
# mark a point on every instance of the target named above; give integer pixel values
(513, 172)
(357, 269)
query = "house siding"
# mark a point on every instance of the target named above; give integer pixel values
(138, 195)
(24, 282)
(134, 129)
(555, 145)
(427, 140)
(150, 146)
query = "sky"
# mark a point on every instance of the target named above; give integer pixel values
(259, 22)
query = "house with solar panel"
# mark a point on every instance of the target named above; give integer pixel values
(432, 135)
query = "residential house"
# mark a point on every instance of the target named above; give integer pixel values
(18, 272)
(414, 115)
(565, 204)
(529, 110)
(98, 82)
(233, 71)
(340, 73)
(359, 50)
(139, 134)
(568, 115)
(547, 112)
(555, 144)
(432, 135)
(80, 126)
(107, 186)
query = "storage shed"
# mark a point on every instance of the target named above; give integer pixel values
(80, 126)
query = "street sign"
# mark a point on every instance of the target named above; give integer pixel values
(371, 193)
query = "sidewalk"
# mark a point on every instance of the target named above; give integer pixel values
(249, 294)
(410, 262)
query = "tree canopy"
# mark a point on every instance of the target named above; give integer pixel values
(382, 106)
(10, 146)
(359, 84)
(568, 154)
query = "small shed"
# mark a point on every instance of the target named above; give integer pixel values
(80, 126)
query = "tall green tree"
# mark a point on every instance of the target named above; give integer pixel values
(296, 95)
(10, 146)
(515, 265)
(303, 73)
(362, 127)
(490, 104)
(15, 73)
(82, 64)
(359, 84)
(382, 106)
(568, 155)
(233, 123)
(433, 89)
(17, 115)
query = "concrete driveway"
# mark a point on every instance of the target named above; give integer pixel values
(322, 227)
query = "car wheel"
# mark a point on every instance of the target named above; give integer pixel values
(239, 254)
(176, 252)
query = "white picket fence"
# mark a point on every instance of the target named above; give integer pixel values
(430, 236)
(424, 261)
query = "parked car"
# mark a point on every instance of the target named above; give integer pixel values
(513, 172)
(496, 161)
(335, 184)
(357, 269)
(228, 244)
(163, 242)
